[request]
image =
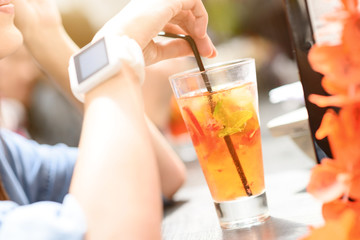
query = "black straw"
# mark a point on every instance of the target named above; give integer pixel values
(195, 50)
(227, 138)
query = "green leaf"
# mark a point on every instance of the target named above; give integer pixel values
(233, 122)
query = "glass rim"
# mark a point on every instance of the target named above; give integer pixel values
(210, 68)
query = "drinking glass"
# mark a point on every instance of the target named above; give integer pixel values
(220, 110)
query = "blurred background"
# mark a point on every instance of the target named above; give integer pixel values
(239, 28)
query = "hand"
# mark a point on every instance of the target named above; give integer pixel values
(33, 17)
(142, 20)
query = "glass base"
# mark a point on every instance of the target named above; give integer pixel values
(244, 212)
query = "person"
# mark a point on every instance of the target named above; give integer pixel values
(115, 188)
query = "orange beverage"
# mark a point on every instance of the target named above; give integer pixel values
(235, 114)
(176, 122)
(220, 109)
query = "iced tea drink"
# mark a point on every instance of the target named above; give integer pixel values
(225, 131)
(177, 134)
(176, 122)
(234, 115)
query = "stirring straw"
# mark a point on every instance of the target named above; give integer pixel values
(227, 138)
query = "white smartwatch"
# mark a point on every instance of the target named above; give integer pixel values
(100, 60)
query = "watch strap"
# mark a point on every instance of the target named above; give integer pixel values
(128, 50)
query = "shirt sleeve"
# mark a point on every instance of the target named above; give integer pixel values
(42, 220)
(43, 171)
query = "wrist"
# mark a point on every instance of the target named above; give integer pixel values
(116, 87)
(99, 61)
(42, 41)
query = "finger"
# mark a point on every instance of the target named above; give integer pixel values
(162, 50)
(185, 20)
(205, 46)
(175, 29)
(201, 17)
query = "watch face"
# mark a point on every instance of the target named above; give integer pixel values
(91, 60)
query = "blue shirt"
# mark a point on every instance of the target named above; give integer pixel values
(37, 178)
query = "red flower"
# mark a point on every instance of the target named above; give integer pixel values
(329, 181)
(339, 228)
(335, 63)
(351, 38)
(350, 6)
(332, 211)
(336, 181)
(333, 87)
(343, 132)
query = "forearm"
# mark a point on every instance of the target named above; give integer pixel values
(52, 50)
(116, 177)
(171, 169)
